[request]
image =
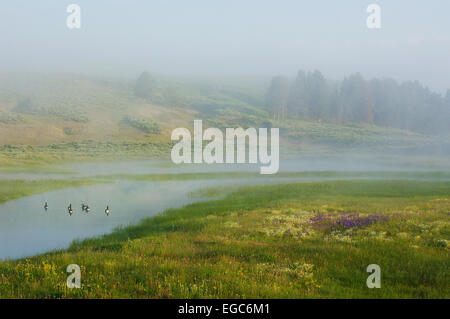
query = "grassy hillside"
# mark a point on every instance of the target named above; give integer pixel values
(47, 118)
(57, 109)
(264, 242)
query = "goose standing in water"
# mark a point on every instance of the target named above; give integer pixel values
(107, 211)
(70, 209)
(46, 206)
(83, 206)
(87, 209)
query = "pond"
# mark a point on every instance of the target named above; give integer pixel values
(26, 228)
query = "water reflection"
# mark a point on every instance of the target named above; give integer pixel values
(27, 228)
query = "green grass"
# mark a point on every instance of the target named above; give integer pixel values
(11, 155)
(12, 189)
(34, 168)
(352, 134)
(431, 175)
(244, 246)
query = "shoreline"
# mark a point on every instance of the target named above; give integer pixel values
(201, 224)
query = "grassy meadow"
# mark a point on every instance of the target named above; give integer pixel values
(309, 239)
(29, 157)
(13, 189)
(296, 240)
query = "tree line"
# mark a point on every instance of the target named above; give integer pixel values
(385, 102)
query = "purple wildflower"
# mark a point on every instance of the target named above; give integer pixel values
(345, 220)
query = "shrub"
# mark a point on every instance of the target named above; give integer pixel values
(143, 124)
(8, 117)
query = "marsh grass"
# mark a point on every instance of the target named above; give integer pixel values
(233, 248)
(12, 155)
(34, 168)
(333, 175)
(12, 189)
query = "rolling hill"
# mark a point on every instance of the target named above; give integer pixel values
(48, 117)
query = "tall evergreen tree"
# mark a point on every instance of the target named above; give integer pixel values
(297, 102)
(317, 96)
(408, 105)
(277, 97)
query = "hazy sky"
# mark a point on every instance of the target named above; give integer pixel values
(230, 37)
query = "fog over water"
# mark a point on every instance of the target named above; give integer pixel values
(348, 163)
(26, 228)
(135, 70)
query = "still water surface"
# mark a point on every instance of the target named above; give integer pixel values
(27, 229)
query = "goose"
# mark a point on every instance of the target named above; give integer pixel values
(87, 209)
(46, 206)
(83, 206)
(70, 209)
(107, 211)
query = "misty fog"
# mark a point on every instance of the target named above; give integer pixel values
(313, 69)
(204, 38)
